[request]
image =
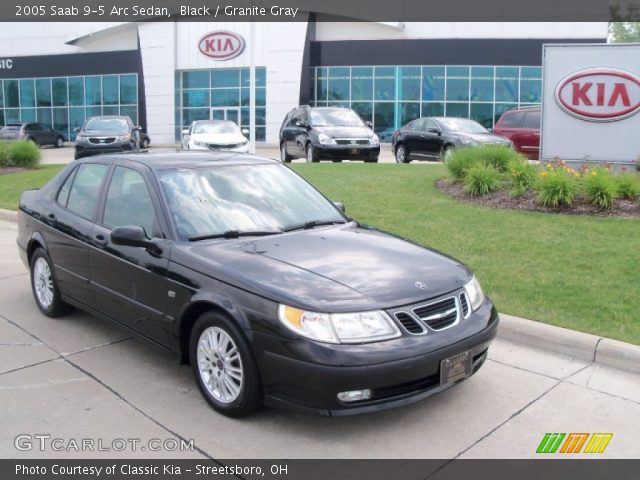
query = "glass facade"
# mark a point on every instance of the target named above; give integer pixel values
(391, 96)
(64, 103)
(220, 94)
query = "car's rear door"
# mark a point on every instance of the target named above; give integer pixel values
(129, 283)
(530, 134)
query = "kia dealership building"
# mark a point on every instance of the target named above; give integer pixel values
(166, 74)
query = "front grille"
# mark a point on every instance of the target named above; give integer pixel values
(440, 314)
(409, 324)
(216, 146)
(352, 141)
(102, 140)
(464, 305)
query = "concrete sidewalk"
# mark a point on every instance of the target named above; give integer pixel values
(78, 377)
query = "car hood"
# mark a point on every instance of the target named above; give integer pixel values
(485, 138)
(337, 268)
(219, 138)
(345, 132)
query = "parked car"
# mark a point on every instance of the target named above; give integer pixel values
(215, 135)
(437, 137)
(34, 132)
(145, 140)
(107, 134)
(214, 255)
(522, 127)
(327, 133)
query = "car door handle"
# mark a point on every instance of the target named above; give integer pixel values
(100, 240)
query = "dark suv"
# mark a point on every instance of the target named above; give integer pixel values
(327, 133)
(522, 127)
(107, 134)
(34, 132)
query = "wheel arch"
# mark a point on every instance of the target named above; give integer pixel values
(36, 241)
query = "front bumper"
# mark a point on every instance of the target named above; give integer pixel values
(241, 149)
(86, 150)
(411, 373)
(347, 152)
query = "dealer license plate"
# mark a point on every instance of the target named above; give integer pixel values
(354, 151)
(455, 368)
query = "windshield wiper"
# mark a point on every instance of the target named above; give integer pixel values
(312, 224)
(234, 234)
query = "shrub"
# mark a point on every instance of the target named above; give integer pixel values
(24, 154)
(499, 157)
(556, 188)
(461, 160)
(4, 154)
(522, 176)
(481, 179)
(600, 187)
(628, 186)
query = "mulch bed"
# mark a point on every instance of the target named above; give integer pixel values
(7, 170)
(502, 199)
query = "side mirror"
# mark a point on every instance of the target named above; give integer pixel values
(368, 124)
(434, 130)
(339, 206)
(302, 125)
(489, 129)
(245, 132)
(185, 131)
(133, 236)
(77, 129)
(137, 128)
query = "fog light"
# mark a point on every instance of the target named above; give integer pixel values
(354, 395)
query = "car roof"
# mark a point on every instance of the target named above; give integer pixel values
(524, 109)
(183, 159)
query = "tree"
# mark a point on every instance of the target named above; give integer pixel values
(622, 27)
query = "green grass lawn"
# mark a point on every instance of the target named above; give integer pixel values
(576, 272)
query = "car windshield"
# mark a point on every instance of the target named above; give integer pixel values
(335, 117)
(264, 198)
(461, 125)
(107, 124)
(215, 127)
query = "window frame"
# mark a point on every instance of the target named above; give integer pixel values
(73, 182)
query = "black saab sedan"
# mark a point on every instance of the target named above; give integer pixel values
(271, 293)
(435, 138)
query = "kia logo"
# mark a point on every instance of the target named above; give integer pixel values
(221, 45)
(420, 285)
(599, 94)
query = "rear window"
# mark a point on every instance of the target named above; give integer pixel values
(531, 120)
(510, 120)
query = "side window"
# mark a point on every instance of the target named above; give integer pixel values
(419, 125)
(129, 202)
(84, 193)
(531, 120)
(63, 194)
(511, 120)
(296, 117)
(430, 123)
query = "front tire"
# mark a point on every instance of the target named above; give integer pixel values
(223, 366)
(284, 156)
(44, 286)
(310, 154)
(445, 155)
(401, 154)
(144, 144)
(59, 142)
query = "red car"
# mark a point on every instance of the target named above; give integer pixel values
(522, 127)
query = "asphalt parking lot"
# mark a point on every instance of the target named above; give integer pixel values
(78, 377)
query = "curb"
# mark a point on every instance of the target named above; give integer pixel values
(8, 215)
(582, 346)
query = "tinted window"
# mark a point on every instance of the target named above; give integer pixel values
(511, 120)
(419, 125)
(335, 117)
(430, 123)
(63, 194)
(128, 201)
(84, 193)
(107, 124)
(531, 120)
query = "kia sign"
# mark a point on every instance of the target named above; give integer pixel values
(599, 94)
(591, 103)
(221, 45)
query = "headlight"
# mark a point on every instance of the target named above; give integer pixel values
(356, 327)
(199, 143)
(243, 143)
(475, 293)
(326, 139)
(374, 140)
(124, 138)
(81, 139)
(468, 141)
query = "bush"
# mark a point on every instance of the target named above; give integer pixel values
(461, 160)
(4, 154)
(628, 186)
(600, 187)
(24, 154)
(521, 175)
(501, 158)
(556, 188)
(481, 179)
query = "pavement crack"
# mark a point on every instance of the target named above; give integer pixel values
(14, 276)
(94, 347)
(31, 365)
(595, 349)
(33, 344)
(523, 369)
(43, 384)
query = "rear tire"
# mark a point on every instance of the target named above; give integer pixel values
(144, 144)
(284, 156)
(59, 142)
(44, 286)
(401, 154)
(33, 140)
(224, 367)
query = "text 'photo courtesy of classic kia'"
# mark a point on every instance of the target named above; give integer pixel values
(268, 290)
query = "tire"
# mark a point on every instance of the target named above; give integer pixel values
(33, 140)
(231, 397)
(310, 156)
(59, 142)
(284, 156)
(445, 154)
(401, 154)
(144, 144)
(337, 160)
(44, 286)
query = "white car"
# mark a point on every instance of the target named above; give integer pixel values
(215, 135)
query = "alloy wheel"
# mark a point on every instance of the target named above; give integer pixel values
(220, 365)
(400, 154)
(43, 282)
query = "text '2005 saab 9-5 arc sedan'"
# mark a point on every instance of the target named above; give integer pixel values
(264, 286)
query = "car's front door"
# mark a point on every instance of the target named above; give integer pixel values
(432, 140)
(414, 136)
(130, 283)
